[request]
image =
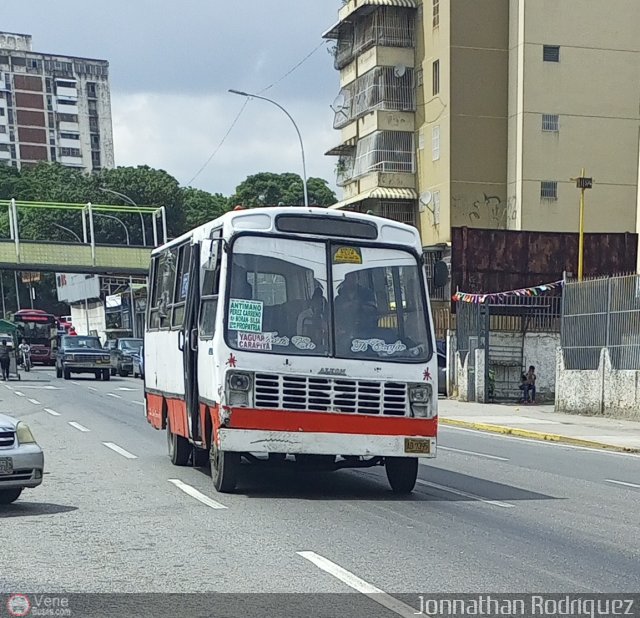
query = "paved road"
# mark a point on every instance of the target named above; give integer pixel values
(490, 514)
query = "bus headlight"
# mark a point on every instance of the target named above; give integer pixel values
(238, 388)
(239, 382)
(421, 399)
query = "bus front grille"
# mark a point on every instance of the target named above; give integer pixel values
(331, 395)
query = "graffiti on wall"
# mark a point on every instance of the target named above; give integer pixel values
(480, 210)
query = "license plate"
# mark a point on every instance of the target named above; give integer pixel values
(419, 446)
(6, 465)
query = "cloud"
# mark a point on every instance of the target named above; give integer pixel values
(178, 133)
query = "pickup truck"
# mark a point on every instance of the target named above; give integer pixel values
(122, 356)
(82, 355)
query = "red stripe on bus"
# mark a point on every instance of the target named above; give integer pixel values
(321, 422)
(177, 413)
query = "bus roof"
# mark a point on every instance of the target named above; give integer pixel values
(264, 220)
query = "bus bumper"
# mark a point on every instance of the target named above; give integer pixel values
(314, 443)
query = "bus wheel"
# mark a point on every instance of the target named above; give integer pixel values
(402, 473)
(224, 468)
(178, 447)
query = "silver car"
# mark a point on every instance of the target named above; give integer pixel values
(21, 459)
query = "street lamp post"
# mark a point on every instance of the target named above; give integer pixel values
(86, 300)
(131, 298)
(126, 198)
(304, 161)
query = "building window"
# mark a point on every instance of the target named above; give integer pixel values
(385, 151)
(551, 53)
(70, 136)
(70, 152)
(91, 90)
(53, 154)
(95, 159)
(435, 78)
(435, 143)
(3, 129)
(436, 13)
(2, 112)
(549, 190)
(93, 107)
(551, 122)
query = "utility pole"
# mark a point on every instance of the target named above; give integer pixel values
(583, 183)
(4, 307)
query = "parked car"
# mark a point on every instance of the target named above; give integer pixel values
(21, 459)
(122, 356)
(82, 355)
(138, 364)
(110, 344)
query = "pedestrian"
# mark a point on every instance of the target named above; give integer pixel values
(5, 360)
(530, 386)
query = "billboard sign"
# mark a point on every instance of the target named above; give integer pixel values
(77, 288)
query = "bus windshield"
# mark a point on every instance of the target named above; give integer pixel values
(281, 300)
(38, 331)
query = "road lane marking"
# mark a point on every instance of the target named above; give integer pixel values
(354, 582)
(459, 450)
(9, 387)
(114, 395)
(623, 483)
(139, 403)
(78, 426)
(52, 412)
(194, 493)
(93, 388)
(120, 450)
(125, 388)
(76, 383)
(465, 494)
(19, 394)
(35, 402)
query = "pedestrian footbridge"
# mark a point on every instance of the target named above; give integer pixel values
(83, 255)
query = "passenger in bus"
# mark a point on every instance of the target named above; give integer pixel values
(356, 312)
(312, 322)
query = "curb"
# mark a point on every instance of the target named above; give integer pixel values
(538, 435)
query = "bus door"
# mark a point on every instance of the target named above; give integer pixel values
(190, 290)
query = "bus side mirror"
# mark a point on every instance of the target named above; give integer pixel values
(440, 274)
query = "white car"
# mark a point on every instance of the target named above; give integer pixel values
(21, 459)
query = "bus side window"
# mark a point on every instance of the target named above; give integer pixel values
(210, 285)
(164, 275)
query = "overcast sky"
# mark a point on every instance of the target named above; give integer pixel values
(172, 64)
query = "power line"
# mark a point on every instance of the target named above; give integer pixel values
(222, 141)
(237, 118)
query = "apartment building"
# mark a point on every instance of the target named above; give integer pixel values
(480, 112)
(53, 108)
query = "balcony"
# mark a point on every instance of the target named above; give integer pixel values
(387, 26)
(382, 88)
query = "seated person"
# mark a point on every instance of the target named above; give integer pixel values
(312, 322)
(356, 312)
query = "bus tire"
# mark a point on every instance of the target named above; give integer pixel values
(178, 447)
(200, 457)
(402, 473)
(225, 466)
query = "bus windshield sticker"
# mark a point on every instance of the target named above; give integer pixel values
(245, 315)
(255, 341)
(303, 343)
(279, 341)
(347, 255)
(377, 345)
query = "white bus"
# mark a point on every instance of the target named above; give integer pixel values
(293, 334)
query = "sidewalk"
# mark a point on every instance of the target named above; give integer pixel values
(542, 423)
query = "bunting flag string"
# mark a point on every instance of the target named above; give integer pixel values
(496, 297)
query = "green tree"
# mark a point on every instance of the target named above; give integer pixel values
(269, 189)
(200, 206)
(146, 187)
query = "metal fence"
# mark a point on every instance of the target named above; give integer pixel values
(602, 313)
